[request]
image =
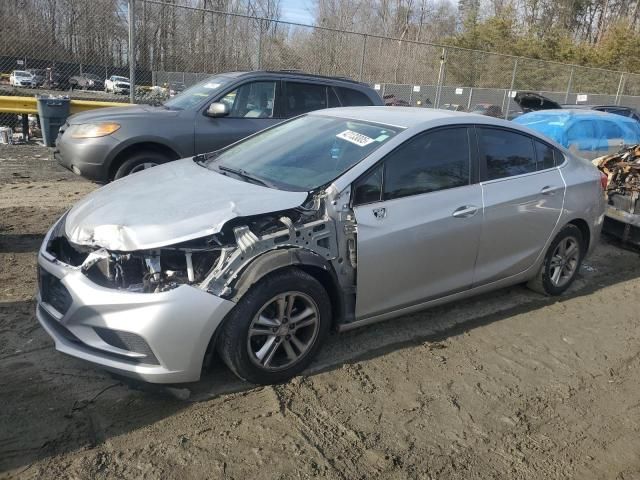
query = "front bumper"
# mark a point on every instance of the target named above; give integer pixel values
(85, 156)
(155, 337)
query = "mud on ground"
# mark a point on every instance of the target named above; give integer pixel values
(509, 385)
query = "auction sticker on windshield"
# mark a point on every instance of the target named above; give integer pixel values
(355, 137)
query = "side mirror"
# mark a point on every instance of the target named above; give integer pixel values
(218, 109)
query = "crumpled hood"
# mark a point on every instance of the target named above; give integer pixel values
(168, 204)
(119, 113)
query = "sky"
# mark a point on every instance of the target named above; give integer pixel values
(298, 11)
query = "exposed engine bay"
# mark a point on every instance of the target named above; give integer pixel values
(212, 263)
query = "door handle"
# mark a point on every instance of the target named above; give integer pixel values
(548, 190)
(379, 213)
(465, 211)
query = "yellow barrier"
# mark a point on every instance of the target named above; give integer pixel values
(28, 105)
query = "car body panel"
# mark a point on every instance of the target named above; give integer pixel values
(105, 218)
(405, 247)
(518, 220)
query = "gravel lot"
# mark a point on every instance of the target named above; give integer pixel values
(510, 385)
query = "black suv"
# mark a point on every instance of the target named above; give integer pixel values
(111, 143)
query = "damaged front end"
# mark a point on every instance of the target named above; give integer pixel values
(212, 263)
(623, 193)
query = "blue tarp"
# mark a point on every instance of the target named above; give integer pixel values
(587, 132)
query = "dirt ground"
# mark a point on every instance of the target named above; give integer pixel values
(509, 385)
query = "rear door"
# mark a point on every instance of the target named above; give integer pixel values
(611, 137)
(419, 216)
(302, 97)
(582, 139)
(253, 107)
(523, 195)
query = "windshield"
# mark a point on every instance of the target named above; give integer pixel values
(195, 94)
(91, 76)
(120, 79)
(19, 73)
(304, 153)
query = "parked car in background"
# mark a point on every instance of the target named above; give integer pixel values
(21, 78)
(390, 100)
(39, 77)
(111, 143)
(532, 102)
(454, 107)
(617, 109)
(86, 81)
(117, 84)
(256, 251)
(488, 109)
(175, 88)
(587, 133)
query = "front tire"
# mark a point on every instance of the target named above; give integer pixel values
(561, 263)
(140, 161)
(276, 328)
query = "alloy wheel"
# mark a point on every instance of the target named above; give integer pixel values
(283, 331)
(565, 261)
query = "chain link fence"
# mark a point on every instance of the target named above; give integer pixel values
(180, 42)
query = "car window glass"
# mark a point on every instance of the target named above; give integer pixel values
(251, 100)
(432, 161)
(558, 157)
(304, 97)
(581, 130)
(610, 130)
(544, 155)
(368, 189)
(353, 98)
(505, 153)
(332, 98)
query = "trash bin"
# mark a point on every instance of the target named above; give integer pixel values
(53, 112)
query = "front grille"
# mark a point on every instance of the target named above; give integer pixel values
(53, 292)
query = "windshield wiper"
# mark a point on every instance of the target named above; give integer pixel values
(244, 174)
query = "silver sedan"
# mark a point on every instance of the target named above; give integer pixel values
(335, 219)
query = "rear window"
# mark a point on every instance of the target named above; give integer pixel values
(353, 98)
(505, 153)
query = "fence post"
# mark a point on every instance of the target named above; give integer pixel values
(443, 60)
(470, 97)
(364, 51)
(513, 83)
(569, 85)
(620, 88)
(259, 44)
(132, 52)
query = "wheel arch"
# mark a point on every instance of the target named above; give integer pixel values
(583, 226)
(301, 258)
(140, 146)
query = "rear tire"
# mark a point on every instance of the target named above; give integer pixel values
(561, 263)
(140, 161)
(276, 328)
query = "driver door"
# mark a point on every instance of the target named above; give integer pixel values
(253, 107)
(419, 220)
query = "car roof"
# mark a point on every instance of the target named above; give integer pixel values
(293, 74)
(405, 117)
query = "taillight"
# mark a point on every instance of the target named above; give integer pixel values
(604, 181)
